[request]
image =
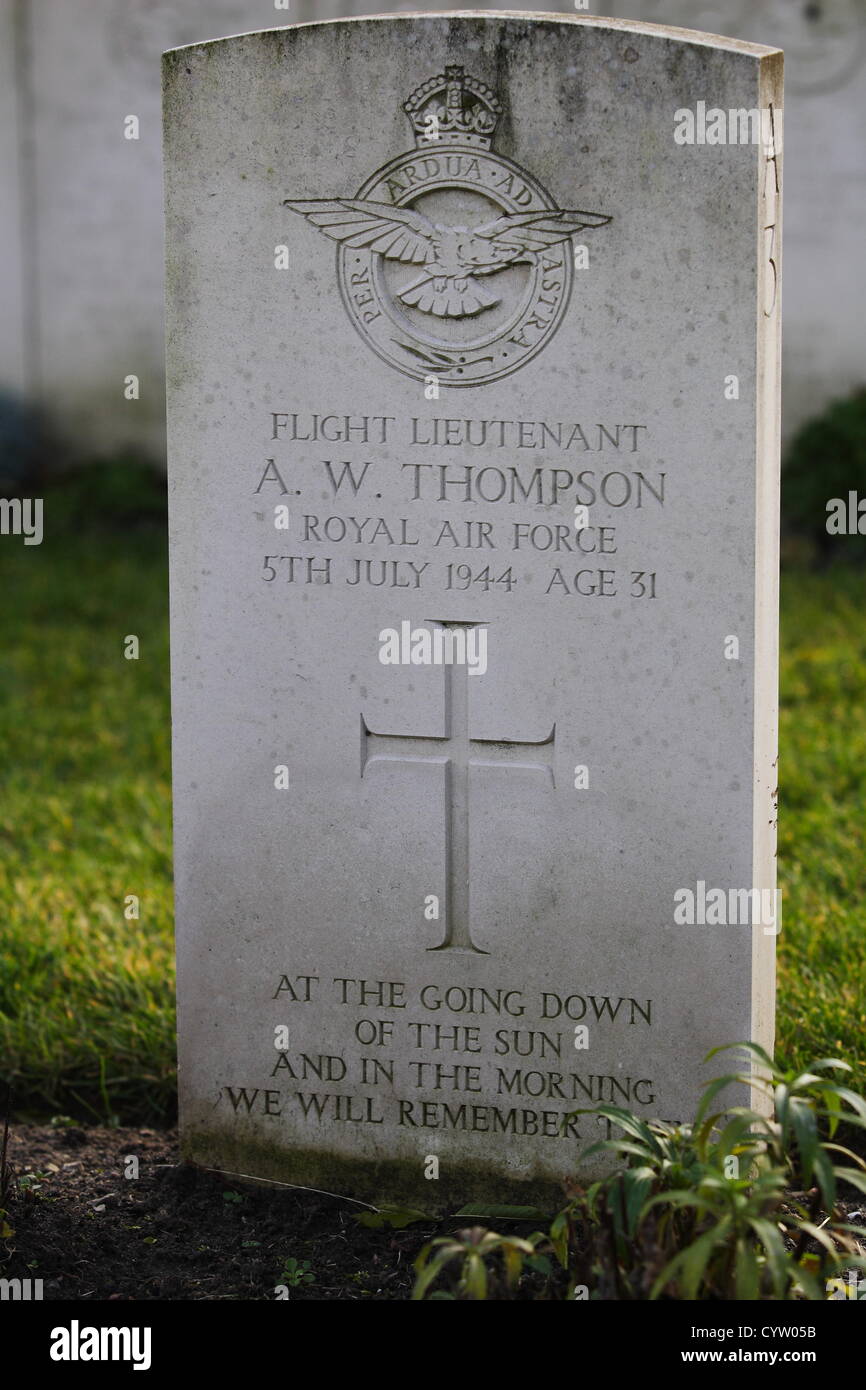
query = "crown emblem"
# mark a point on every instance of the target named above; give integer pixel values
(459, 109)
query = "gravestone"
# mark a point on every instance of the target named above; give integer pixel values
(473, 435)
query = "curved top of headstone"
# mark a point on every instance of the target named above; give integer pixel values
(626, 26)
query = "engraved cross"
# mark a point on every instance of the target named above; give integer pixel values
(457, 751)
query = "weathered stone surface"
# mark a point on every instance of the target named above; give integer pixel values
(466, 869)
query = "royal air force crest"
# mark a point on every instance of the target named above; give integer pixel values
(452, 261)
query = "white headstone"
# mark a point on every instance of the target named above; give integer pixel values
(469, 355)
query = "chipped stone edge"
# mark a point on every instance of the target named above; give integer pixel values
(766, 612)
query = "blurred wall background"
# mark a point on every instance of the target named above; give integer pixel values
(81, 206)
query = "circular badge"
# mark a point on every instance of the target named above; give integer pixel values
(462, 315)
(453, 262)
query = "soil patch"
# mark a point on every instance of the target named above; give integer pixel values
(178, 1232)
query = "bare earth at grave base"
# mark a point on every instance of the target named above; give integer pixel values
(179, 1232)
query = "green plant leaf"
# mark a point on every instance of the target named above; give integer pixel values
(746, 1047)
(804, 1280)
(689, 1266)
(475, 1277)
(782, 1097)
(713, 1088)
(429, 1265)
(853, 1176)
(778, 1261)
(747, 1274)
(857, 1104)
(637, 1128)
(637, 1184)
(492, 1212)
(398, 1218)
(679, 1199)
(805, 1126)
(826, 1176)
(849, 1153)
(818, 1234)
(559, 1237)
(834, 1062)
(512, 1260)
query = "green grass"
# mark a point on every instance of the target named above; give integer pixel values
(822, 816)
(87, 997)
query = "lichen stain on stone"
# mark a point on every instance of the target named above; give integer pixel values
(373, 1180)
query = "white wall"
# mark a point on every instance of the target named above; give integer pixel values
(82, 290)
(824, 297)
(13, 329)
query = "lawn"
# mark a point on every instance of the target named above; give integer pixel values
(822, 816)
(86, 994)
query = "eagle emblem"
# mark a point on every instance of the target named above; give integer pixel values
(453, 258)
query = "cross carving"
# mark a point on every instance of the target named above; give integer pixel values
(458, 752)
